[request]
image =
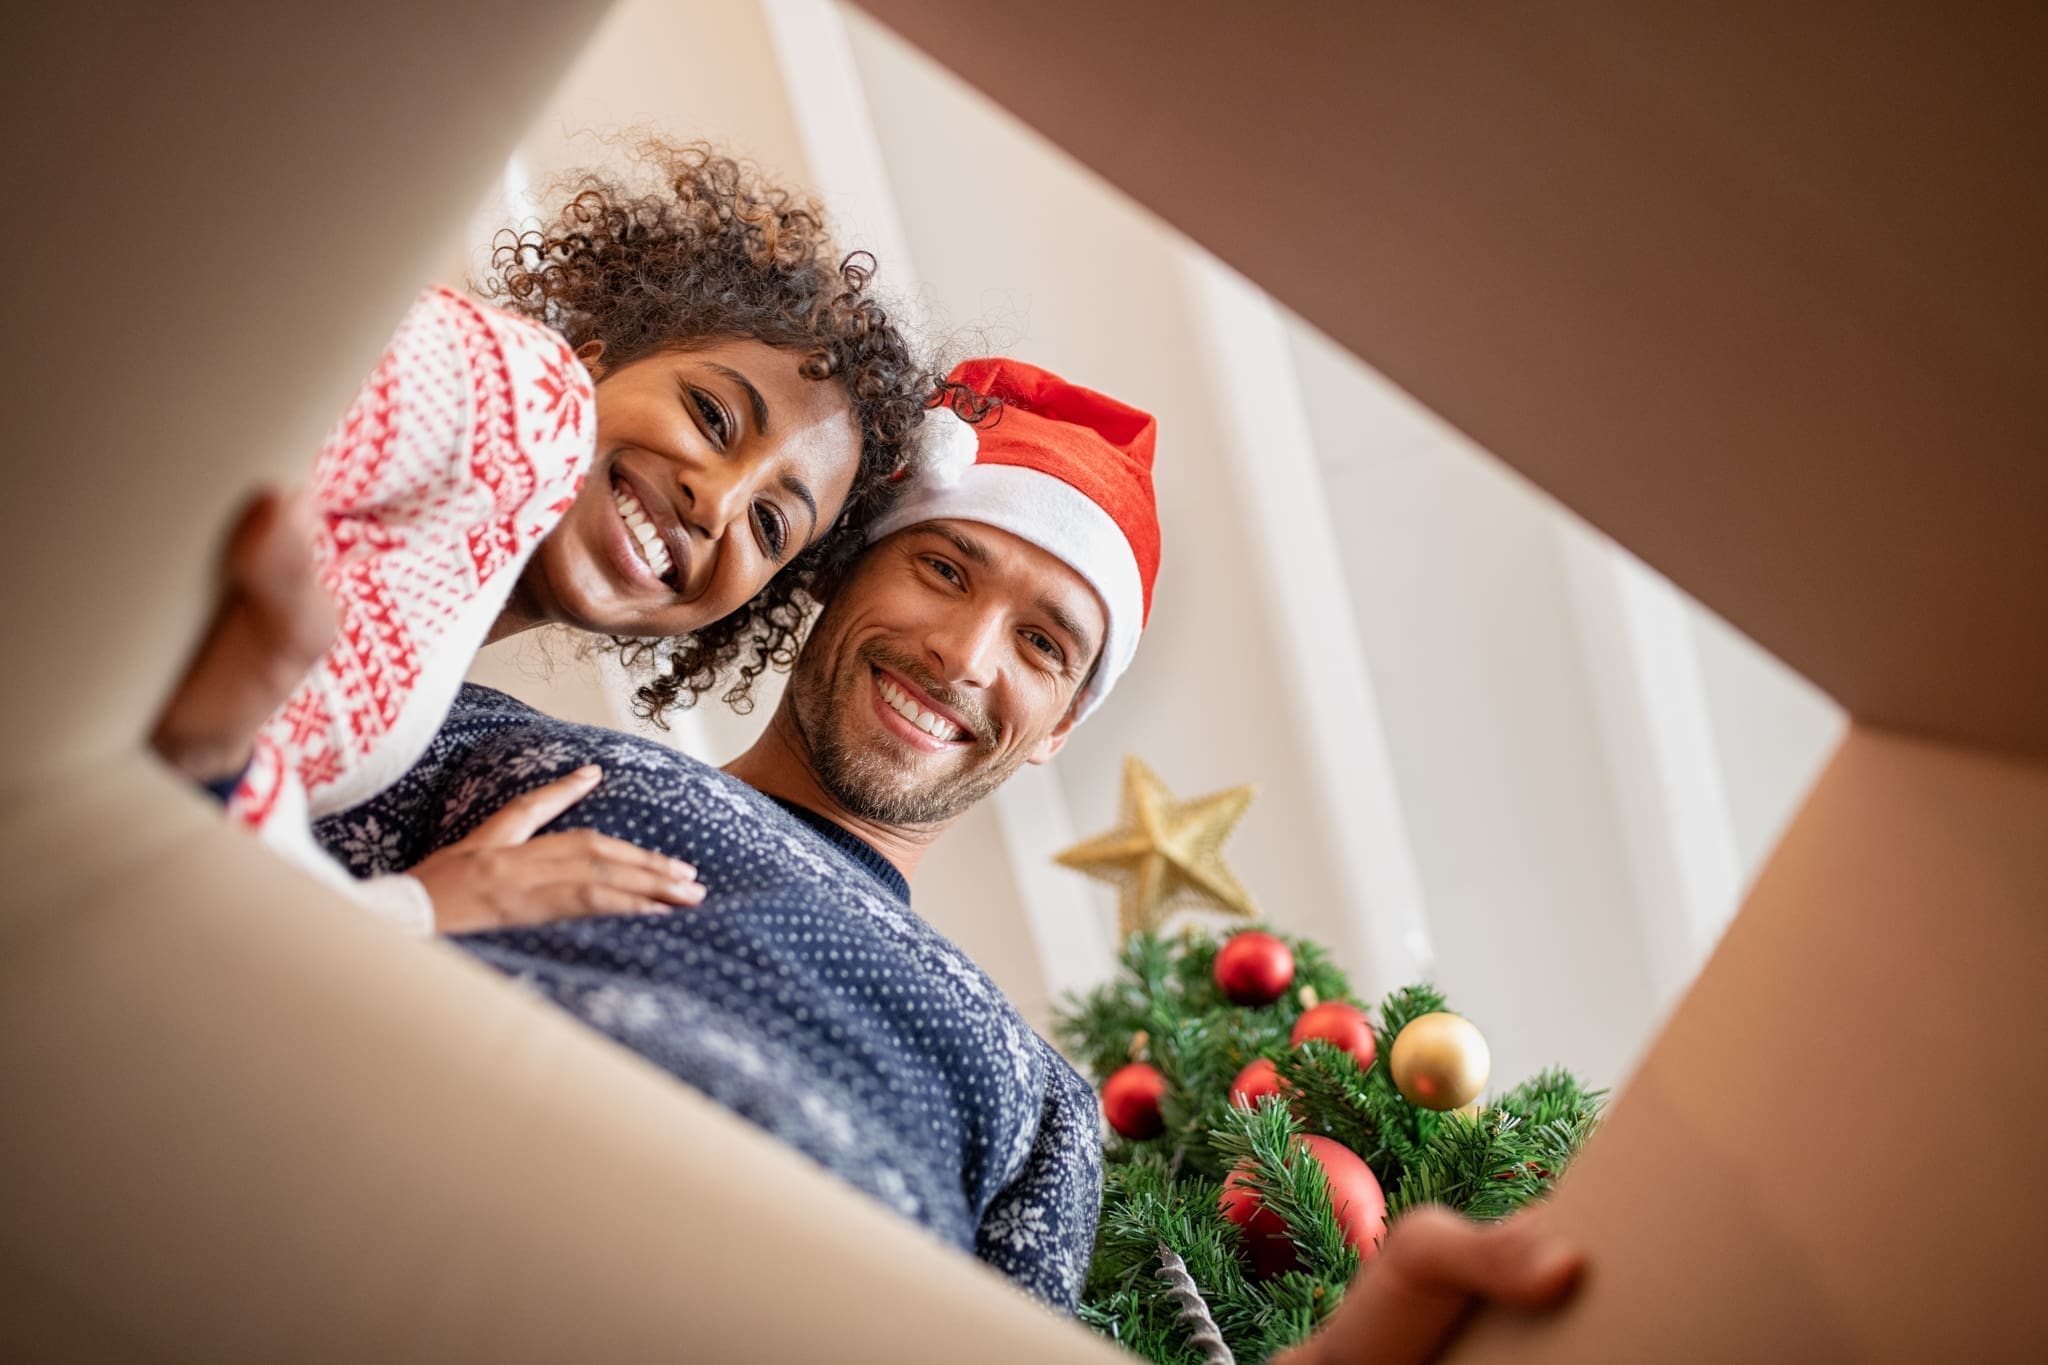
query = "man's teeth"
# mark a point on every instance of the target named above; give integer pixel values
(937, 726)
(646, 539)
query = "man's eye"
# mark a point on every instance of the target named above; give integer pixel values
(1044, 644)
(943, 570)
(713, 415)
(773, 533)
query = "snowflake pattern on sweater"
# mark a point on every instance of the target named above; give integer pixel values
(804, 994)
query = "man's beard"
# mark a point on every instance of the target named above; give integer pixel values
(871, 780)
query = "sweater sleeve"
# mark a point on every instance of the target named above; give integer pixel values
(1040, 1228)
(460, 452)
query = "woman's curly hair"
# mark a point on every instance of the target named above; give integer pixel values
(702, 247)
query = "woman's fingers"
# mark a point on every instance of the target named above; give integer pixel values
(502, 874)
(272, 623)
(525, 816)
(585, 899)
(589, 858)
(588, 843)
(271, 562)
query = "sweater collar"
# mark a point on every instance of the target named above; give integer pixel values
(854, 847)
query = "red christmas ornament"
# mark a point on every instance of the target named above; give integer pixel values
(1254, 968)
(1335, 1021)
(1355, 1195)
(1130, 1100)
(1254, 1083)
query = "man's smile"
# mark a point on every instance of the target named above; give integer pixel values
(912, 715)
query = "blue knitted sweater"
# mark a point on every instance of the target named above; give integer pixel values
(803, 994)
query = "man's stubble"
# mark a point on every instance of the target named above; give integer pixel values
(874, 780)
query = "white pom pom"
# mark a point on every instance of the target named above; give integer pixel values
(945, 448)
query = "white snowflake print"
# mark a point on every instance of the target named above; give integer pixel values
(468, 794)
(631, 755)
(537, 759)
(891, 1188)
(736, 1051)
(827, 1120)
(369, 845)
(1017, 1225)
(617, 1010)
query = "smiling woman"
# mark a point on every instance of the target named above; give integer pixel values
(710, 304)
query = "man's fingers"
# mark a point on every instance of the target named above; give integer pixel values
(523, 816)
(1433, 1271)
(1509, 1263)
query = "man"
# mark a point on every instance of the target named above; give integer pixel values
(996, 606)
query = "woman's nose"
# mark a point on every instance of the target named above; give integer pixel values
(718, 497)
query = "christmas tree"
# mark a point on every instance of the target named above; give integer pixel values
(1267, 1128)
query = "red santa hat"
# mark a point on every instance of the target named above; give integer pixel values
(1064, 467)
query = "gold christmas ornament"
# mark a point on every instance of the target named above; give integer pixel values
(1440, 1061)
(1166, 853)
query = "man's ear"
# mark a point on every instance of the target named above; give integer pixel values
(591, 353)
(1055, 741)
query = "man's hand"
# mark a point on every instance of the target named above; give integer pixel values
(501, 875)
(1433, 1271)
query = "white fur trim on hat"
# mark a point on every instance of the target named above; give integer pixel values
(945, 448)
(1059, 519)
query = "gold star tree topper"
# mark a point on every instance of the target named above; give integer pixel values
(1166, 853)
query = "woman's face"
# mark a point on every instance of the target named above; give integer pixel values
(714, 468)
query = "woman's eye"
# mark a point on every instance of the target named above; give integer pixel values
(713, 415)
(773, 533)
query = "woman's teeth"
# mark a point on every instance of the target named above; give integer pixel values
(937, 726)
(646, 539)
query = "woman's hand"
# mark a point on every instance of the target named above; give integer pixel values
(271, 625)
(501, 875)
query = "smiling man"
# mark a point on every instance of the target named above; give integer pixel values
(999, 602)
(995, 607)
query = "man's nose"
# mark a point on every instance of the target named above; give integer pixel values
(966, 647)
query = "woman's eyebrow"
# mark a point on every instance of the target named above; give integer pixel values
(802, 491)
(754, 401)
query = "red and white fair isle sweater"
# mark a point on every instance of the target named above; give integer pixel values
(461, 451)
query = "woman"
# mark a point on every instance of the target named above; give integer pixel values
(680, 415)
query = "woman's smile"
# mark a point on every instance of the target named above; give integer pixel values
(646, 539)
(658, 550)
